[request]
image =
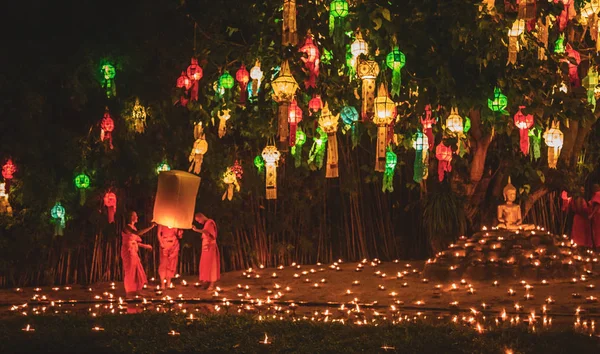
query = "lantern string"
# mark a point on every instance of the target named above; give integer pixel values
(195, 29)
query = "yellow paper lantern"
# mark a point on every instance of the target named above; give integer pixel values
(284, 89)
(175, 200)
(367, 71)
(554, 138)
(329, 124)
(454, 123)
(224, 116)
(271, 156)
(289, 33)
(385, 112)
(358, 47)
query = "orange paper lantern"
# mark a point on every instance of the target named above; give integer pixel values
(176, 199)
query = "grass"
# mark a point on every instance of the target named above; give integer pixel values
(148, 333)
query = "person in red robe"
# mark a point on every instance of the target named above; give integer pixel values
(595, 215)
(134, 276)
(210, 261)
(168, 239)
(580, 231)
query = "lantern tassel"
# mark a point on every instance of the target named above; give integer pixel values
(443, 167)
(536, 138)
(271, 181)
(396, 82)
(430, 139)
(513, 48)
(297, 153)
(194, 91)
(82, 196)
(289, 33)
(381, 148)
(418, 167)
(332, 170)
(283, 125)
(243, 93)
(110, 213)
(317, 151)
(222, 128)
(293, 129)
(388, 180)
(524, 141)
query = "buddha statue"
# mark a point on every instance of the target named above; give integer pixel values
(509, 214)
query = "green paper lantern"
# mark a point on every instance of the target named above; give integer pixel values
(58, 215)
(349, 115)
(499, 103)
(559, 45)
(396, 60)
(326, 57)
(226, 80)
(108, 79)
(297, 148)
(259, 162)
(391, 159)
(82, 181)
(317, 151)
(163, 167)
(339, 8)
(467, 125)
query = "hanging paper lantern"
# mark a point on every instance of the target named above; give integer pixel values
(108, 82)
(224, 116)
(444, 155)
(590, 82)
(58, 214)
(289, 34)
(385, 112)
(427, 124)
(573, 65)
(226, 80)
(349, 115)
(195, 73)
(499, 103)
(311, 61)
(200, 148)
(315, 104)
(5, 207)
(329, 124)
(107, 125)
(317, 150)
(391, 159)
(367, 72)
(517, 29)
(554, 139)
(271, 155)
(294, 117)
(421, 146)
(242, 76)
(563, 18)
(8, 171)
(297, 148)
(559, 45)
(184, 82)
(138, 117)
(357, 48)
(536, 141)
(284, 89)
(542, 36)
(163, 167)
(256, 75)
(110, 202)
(523, 123)
(338, 10)
(259, 163)
(230, 180)
(82, 182)
(396, 60)
(454, 122)
(326, 57)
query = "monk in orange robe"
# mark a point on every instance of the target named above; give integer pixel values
(169, 253)
(580, 231)
(134, 276)
(595, 215)
(210, 262)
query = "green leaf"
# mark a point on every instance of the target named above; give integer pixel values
(541, 175)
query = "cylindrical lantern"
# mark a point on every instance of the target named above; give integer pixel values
(271, 155)
(517, 29)
(138, 117)
(184, 82)
(242, 76)
(329, 124)
(108, 82)
(289, 35)
(421, 145)
(554, 139)
(427, 124)
(338, 10)
(224, 116)
(58, 215)
(444, 155)
(284, 88)
(110, 202)
(107, 126)
(82, 182)
(311, 61)
(294, 117)
(256, 75)
(385, 110)
(523, 122)
(391, 159)
(396, 60)
(195, 73)
(176, 199)
(367, 72)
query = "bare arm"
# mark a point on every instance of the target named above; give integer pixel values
(143, 231)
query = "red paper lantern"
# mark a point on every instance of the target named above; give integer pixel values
(242, 76)
(523, 122)
(444, 155)
(110, 202)
(315, 104)
(184, 81)
(311, 61)
(428, 123)
(294, 117)
(8, 170)
(194, 72)
(107, 125)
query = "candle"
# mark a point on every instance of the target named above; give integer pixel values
(173, 333)
(265, 341)
(28, 328)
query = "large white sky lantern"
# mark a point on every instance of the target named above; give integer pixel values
(176, 199)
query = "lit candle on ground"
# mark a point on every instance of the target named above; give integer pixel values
(97, 329)
(28, 328)
(266, 340)
(173, 333)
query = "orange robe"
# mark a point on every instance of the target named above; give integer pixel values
(210, 261)
(169, 251)
(134, 276)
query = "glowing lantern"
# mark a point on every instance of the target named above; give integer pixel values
(289, 36)
(559, 45)
(5, 207)
(315, 104)
(542, 36)
(590, 82)
(350, 117)
(367, 72)
(108, 83)
(58, 215)
(385, 112)
(444, 155)
(294, 117)
(224, 116)
(317, 150)
(82, 182)
(256, 75)
(183, 82)
(427, 124)
(311, 61)
(271, 155)
(162, 167)
(338, 10)
(499, 103)
(297, 148)
(329, 124)
(391, 159)
(138, 117)
(226, 80)
(200, 148)
(110, 202)
(284, 88)
(8, 171)
(175, 200)
(396, 60)
(517, 29)
(242, 76)
(454, 123)
(195, 73)
(573, 65)
(107, 125)
(259, 163)
(523, 122)
(536, 138)
(554, 139)
(230, 181)
(563, 18)
(421, 145)
(358, 47)
(326, 57)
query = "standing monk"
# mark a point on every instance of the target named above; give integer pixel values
(595, 215)
(169, 253)
(580, 231)
(210, 262)
(134, 275)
